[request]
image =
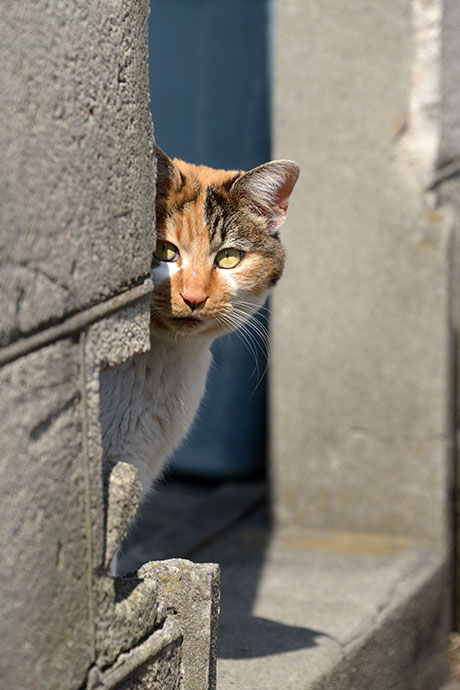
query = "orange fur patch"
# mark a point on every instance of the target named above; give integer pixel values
(199, 213)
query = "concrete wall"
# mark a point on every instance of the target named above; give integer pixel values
(75, 79)
(77, 229)
(361, 403)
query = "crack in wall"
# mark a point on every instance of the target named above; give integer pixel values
(42, 427)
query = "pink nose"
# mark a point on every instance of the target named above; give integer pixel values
(194, 299)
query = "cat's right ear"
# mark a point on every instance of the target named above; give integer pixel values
(268, 188)
(167, 173)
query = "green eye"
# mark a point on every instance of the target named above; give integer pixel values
(228, 258)
(165, 251)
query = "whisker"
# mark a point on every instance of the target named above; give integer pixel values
(254, 307)
(246, 339)
(252, 322)
(265, 354)
(251, 315)
(258, 327)
(252, 327)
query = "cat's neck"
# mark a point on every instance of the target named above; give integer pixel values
(148, 403)
(163, 341)
(177, 362)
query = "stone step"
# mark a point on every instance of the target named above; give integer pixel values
(316, 611)
(313, 610)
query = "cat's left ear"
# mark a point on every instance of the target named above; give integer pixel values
(268, 188)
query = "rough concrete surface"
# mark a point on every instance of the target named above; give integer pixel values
(124, 492)
(127, 611)
(160, 673)
(154, 664)
(191, 594)
(45, 625)
(77, 176)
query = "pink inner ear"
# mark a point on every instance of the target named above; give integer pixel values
(279, 215)
(281, 199)
(270, 187)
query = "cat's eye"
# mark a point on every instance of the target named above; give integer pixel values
(165, 251)
(228, 258)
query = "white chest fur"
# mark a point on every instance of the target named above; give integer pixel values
(149, 402)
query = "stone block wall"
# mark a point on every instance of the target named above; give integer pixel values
(44, 541)
(77, 185)
(77, 188)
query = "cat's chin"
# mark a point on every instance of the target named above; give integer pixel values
(183, 328)
(188, 325)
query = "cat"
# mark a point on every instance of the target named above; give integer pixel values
(217, 256)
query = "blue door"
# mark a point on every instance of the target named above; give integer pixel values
(210, 103)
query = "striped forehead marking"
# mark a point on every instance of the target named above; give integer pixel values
(216, 215)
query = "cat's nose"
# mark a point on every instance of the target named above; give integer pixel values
(194, 299)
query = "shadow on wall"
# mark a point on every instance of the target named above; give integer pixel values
(210, 103)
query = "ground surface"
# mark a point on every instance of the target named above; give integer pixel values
(304, 610)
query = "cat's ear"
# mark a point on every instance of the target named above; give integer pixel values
(268, 189)
(167, 174)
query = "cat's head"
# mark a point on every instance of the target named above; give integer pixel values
(218, 250)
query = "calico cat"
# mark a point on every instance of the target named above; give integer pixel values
(217, 255)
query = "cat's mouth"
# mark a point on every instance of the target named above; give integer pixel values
(186, 324)
(187, 319)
